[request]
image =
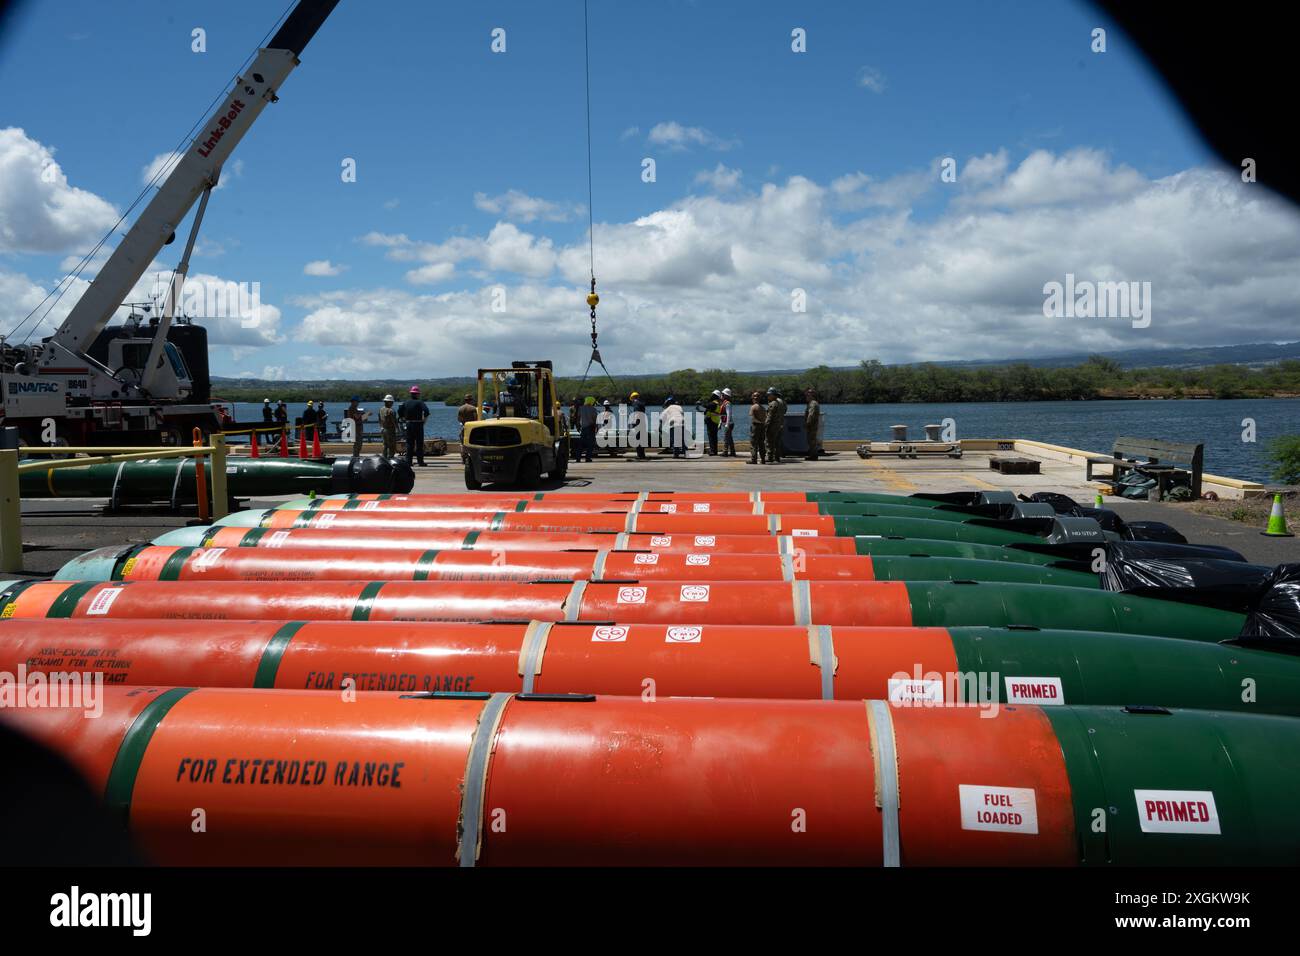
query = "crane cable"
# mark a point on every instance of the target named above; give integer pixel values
(592, 298)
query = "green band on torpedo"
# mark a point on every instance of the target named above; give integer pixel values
(130, 752)
(424, 565)
(252, 537)
(497, 518)
(352, 504)
(269, 665)
(521, 505)
(172, 567)
(468, 543)
(366, 601)
(66, 602)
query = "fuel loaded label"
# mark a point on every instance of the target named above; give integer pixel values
(998, 809)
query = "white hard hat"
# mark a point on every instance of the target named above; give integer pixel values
(716, 392)
(266, 401)
(389, 398)
(727, 392)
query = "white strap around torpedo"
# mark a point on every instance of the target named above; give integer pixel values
(821, 646)
(755, 497)
(629, 526)
(642, 497)
(530, 654)
(802, 602)
(476, 771)
(573, 603)
(773, 524)
(787, 567)
(620, 541)
(785, 544)
(636, 506)
(758, 508)
(598, 566)
(885, 755)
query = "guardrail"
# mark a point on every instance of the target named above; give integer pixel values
(11, 526)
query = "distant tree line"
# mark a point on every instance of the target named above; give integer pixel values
(873, 382)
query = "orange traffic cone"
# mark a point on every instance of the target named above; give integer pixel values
(1277, 521)
(252, 445)
(315, 442)
(284, 443)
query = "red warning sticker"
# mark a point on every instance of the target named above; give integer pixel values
(1046, 691)
(102, 601)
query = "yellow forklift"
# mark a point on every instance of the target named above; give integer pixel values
(520, 433)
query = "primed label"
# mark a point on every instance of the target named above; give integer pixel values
(1046, 691)
(804, 532)
(998, 809)
(1177, 811)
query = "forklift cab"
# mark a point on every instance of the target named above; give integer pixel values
(517, 436)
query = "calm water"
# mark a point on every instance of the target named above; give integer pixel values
(1088, 425)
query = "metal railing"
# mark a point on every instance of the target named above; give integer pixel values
(11, 527)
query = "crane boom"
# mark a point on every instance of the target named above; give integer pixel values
(197, 170)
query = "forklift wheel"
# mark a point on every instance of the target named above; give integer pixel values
(530, 471)
(472, 483)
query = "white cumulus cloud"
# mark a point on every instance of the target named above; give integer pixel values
(40, 212)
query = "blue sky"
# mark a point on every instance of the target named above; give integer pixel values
(775, 171)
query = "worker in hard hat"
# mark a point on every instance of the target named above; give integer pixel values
(673, 422)
(308, 420)
(414, 413)
(468, 412)
(638, 425)
(587, 417)
(388, 427)
(355, 414)
(712, 420)
(757, 430)
(775, 426)
(728, 425)
(268, 413)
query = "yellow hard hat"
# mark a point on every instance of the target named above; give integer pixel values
(635, 395)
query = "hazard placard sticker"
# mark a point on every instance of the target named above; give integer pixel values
(276, 539)
(803, 532)
(1035, 690)
(913, 691)
(207, 558)
(700, 507)
(631, 595)
(695, 592)
(705, 540)
(645, 558)
(998, 809)
(661, 541)
(1177, 811)
(698, 559)
(683, 635)
(128, 567)
(609, 634)
(102, 601)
